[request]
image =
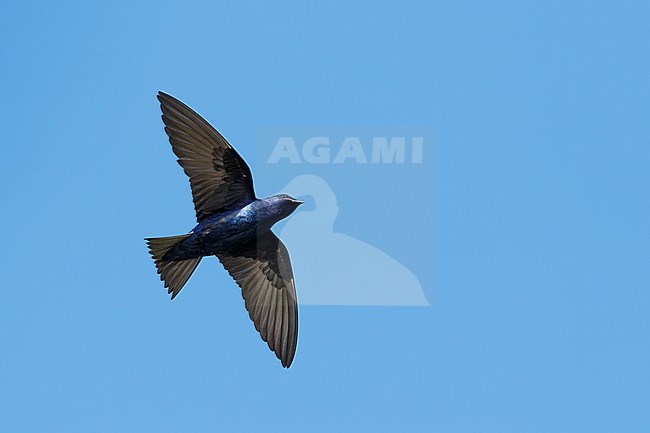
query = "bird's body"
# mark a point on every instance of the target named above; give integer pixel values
(233, 225)
(223, 231)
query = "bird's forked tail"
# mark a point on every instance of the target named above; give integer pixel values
(174, 273)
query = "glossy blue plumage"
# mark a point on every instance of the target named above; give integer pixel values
(223, 231)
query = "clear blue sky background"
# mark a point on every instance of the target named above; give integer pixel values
(538, 268)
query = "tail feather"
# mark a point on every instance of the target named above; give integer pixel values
(174, 273)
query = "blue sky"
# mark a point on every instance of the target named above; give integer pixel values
(527, 225)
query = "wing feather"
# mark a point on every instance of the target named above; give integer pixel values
(219, 177)
(262, 268)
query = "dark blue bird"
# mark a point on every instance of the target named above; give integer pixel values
(233, 225)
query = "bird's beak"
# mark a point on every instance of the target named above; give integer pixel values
(298, 202)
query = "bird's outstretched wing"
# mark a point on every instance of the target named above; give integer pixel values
(263, 271)
(219, 177)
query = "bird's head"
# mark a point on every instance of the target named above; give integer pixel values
(283, 205)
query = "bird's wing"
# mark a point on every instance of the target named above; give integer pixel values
(262, 269)
(219, 177)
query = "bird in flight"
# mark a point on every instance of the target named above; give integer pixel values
(233, 225)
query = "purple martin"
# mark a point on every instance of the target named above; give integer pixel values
(233, 225)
